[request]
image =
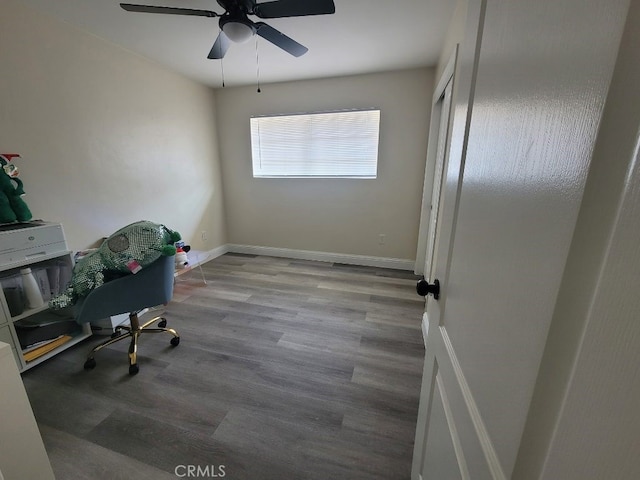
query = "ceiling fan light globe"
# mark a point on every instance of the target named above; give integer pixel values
(238, 32)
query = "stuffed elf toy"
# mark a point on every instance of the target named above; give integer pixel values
(12, 207)
(125, 252)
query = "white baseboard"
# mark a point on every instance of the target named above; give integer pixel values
(364, 260)
(217, 252)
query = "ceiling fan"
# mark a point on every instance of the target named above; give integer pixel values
(235, 26)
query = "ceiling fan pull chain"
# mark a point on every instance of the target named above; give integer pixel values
(222, 70)
(257, 66)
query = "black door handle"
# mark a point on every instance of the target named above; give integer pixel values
(425, 288)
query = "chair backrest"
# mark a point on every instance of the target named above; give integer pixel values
(151, 286)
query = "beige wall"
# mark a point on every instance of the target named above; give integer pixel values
(330, 215)
(107, 137)
(455, 34)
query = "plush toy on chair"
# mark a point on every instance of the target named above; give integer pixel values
(126, 251)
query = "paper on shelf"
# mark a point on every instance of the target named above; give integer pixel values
(43, 349)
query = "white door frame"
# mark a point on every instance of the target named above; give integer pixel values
(433, 149)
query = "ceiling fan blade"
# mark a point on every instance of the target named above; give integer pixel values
(220, 47)
(294, 8)
(279, 39)
(130, 7)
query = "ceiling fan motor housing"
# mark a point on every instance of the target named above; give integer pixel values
(242, 7)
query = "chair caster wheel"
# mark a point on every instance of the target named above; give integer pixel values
(162, 323)
(133, 369)
(116, 332)
(90, 364)
(175, 341)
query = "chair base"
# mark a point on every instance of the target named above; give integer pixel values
(133, 332)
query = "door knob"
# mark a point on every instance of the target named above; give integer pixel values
(425, 288)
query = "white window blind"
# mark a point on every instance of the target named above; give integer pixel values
(335, 144)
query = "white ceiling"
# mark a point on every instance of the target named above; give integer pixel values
(363, 36)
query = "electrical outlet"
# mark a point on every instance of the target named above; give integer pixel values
(381, 239)
(203, 235)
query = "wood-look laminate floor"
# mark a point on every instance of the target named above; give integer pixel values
(287, 369)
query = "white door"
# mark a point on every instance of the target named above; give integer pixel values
(531, 82)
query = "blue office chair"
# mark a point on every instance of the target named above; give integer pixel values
(151, 286)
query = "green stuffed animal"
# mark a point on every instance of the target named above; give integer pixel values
(12, 207)
(125, 252)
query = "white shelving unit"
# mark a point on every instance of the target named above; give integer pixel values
(8, 332)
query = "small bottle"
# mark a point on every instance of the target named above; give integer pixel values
(31, 289)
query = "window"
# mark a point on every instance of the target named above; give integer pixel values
(334, 144)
